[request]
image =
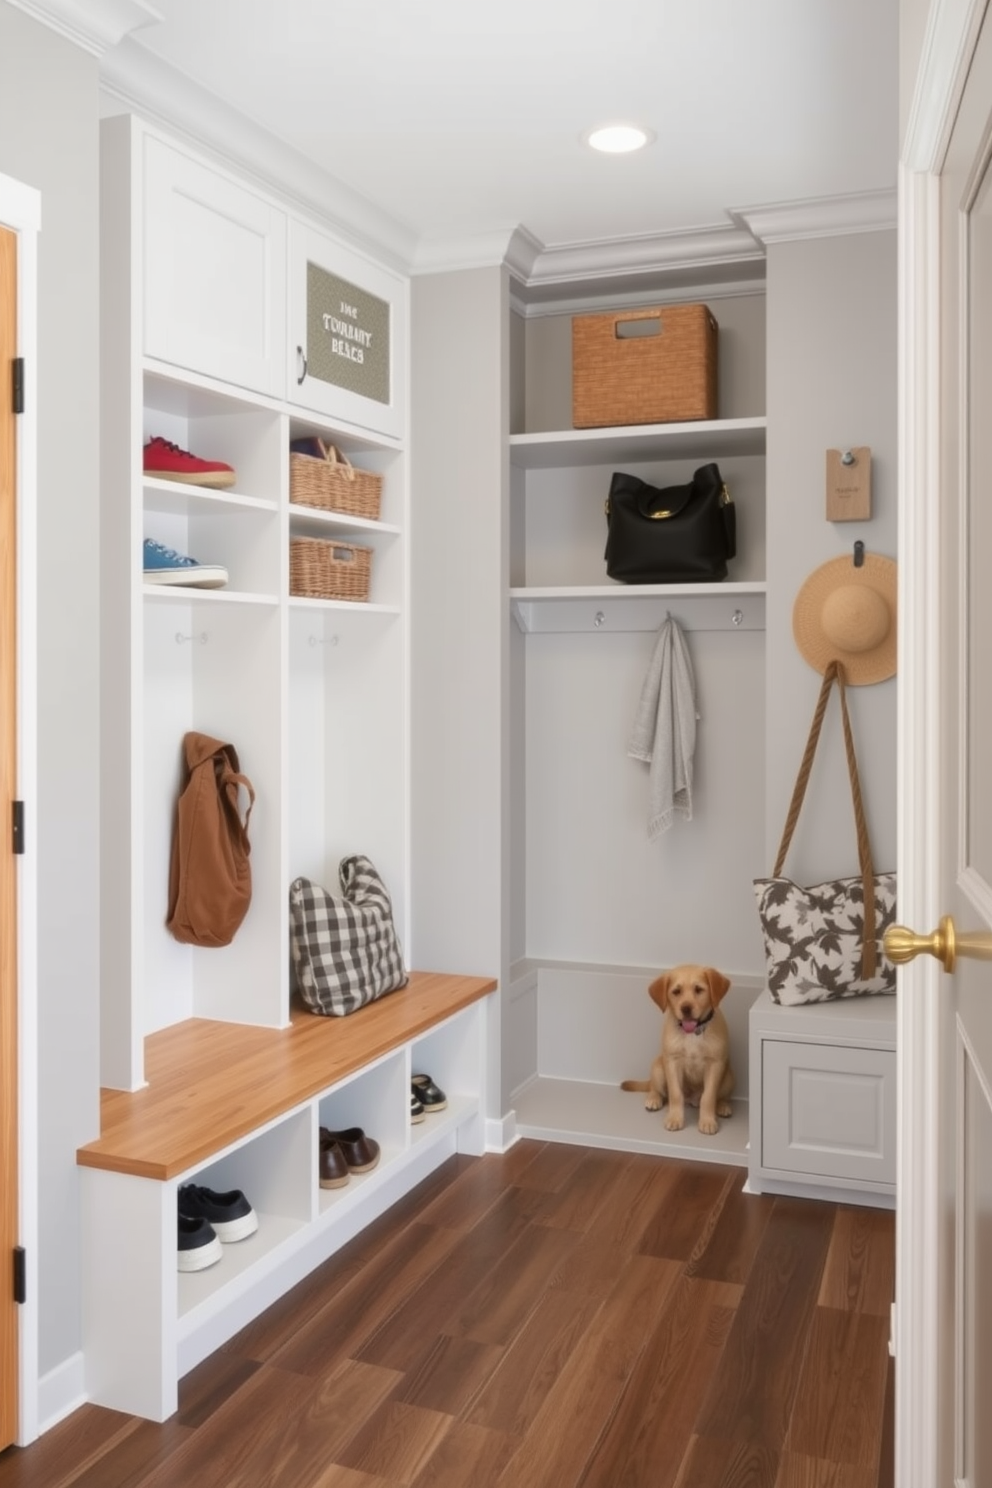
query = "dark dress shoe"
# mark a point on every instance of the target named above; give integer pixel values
(361, 1153)
(431, 1096)
(332, 1167)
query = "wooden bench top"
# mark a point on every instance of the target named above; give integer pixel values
(211, 1083)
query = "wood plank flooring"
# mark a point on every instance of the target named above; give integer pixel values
(556, 1317)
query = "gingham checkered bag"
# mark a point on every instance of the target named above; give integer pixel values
(344, 947)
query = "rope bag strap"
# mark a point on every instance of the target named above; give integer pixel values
(835, 673)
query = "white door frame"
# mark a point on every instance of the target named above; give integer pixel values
(20, 211)
(952, 28)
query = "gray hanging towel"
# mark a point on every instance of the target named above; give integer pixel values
(664, 731)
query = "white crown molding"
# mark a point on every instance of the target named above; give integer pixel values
(948, 44)
(95, 25)
(144, 84)
(659, 292)
(820, 217)
(647, 254)
(515, 247)
(616, 270)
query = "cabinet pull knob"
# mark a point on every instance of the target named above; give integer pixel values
(301, 354)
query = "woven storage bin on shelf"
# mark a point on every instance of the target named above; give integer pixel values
(620, 376)
(323, 569)
(330, 481)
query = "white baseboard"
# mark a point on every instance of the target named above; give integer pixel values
(60, 1392)
(502, 1133)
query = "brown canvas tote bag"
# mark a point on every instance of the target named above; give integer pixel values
(209, 871)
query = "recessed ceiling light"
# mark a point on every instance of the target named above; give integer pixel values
(618, 139)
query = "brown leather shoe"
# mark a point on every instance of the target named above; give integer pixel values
(332, 1166)
(361, 1153)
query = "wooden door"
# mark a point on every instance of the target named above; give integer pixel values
(944, 1295)
(8, 881)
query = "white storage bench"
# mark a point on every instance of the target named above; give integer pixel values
(234, 1106)
(823, 1099)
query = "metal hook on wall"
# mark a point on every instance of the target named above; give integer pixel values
(859, 554)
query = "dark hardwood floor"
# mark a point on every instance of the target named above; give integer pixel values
(558, 1317)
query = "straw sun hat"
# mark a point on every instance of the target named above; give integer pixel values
(848, 613)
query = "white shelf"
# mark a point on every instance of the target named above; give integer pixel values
(626, 607)
(178, 499)
(318, 523)
(198, 1289)
(181, 594)
(717, 437)
(590, 1115)
(349, 606)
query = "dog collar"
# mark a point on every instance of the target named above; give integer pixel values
(701, 1025)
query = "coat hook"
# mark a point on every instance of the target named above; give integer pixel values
(848, 458)
(859, 554)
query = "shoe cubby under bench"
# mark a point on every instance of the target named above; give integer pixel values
(229, 1105)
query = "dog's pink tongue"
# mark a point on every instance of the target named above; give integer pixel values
(689, 1025)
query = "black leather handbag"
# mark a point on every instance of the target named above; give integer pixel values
(670, 535)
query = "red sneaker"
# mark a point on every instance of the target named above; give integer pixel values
(167, 461)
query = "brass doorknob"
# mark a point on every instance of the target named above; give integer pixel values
(901, 944)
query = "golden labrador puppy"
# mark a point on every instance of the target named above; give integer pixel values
(694, 1063)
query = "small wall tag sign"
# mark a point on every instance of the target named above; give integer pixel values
(849, 484)
(347, 335)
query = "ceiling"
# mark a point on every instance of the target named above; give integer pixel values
(458, 119)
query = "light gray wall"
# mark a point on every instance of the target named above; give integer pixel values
(913, 17)
(49, 140)
(459, 673)
(831, 384)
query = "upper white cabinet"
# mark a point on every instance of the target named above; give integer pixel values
(347, 341)
(214, 258)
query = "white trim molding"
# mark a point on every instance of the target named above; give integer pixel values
(918, 1043)
(94, 25)
(950, 37)
(820, 217)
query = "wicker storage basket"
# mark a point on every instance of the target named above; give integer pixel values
(322, 569)
(327, 479)
(650, 366)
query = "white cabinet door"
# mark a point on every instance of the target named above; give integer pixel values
(347, 334)
(214, 273)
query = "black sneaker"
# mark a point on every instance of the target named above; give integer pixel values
(230, 1214)
(198, 1245)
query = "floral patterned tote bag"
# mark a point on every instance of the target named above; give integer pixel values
(825, 942)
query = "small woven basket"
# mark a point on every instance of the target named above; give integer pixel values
(328, 480)
(650, 366)
(319, 569)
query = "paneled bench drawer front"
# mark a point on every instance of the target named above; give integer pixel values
(828, 1111)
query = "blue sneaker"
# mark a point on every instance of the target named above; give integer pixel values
(164, 565)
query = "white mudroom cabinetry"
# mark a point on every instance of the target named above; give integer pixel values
(605, 909)
(823, 1116)
(253, 1101)
(311, 692)
(210, 1071)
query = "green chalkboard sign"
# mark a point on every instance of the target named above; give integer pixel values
(347, 335)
